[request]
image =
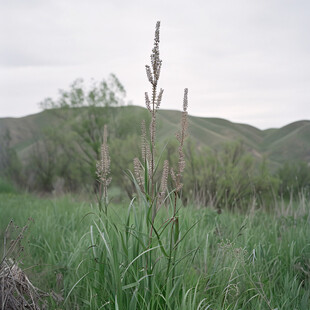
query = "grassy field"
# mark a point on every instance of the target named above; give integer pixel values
(256, 260)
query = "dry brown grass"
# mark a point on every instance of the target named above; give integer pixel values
(16, 290)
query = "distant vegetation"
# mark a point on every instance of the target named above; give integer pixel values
(56, 150)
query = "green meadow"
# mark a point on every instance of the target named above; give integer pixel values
(251, 260)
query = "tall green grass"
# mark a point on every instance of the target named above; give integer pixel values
(6, 187)
(138, 262)
(256, 260)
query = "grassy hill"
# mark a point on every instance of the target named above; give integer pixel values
(291, 142)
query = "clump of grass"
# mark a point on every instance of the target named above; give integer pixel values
(138, 265)
(16, 290)
(154, 191)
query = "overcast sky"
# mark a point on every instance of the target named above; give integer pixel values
(245, 61)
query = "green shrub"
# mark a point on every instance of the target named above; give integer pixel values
(294, 179)
(228, 178)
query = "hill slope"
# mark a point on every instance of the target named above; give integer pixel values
(291, 142)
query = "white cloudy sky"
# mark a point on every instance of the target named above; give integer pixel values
(247, 61)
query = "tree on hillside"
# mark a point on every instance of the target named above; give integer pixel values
(88, 124)
(83, 113)
(42, 165)
(10, 166)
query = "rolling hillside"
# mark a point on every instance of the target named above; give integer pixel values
(291, 142)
